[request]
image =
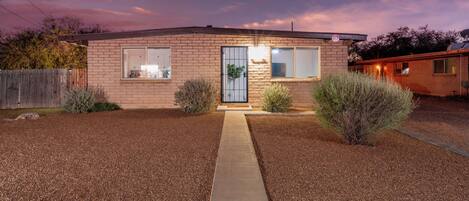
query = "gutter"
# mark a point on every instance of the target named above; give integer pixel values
(415, 57)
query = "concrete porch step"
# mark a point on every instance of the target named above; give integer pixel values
(234, 108)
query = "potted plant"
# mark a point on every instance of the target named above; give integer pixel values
(234, 72)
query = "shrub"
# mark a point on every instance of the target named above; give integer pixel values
(99, 94)
(79, 100)
(276, 98)
(357, 105)
(102, 107)
(196, 96)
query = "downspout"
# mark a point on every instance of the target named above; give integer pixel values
(460, 74)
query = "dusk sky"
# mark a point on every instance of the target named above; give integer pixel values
(368, 17)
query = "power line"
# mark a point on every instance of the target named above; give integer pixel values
(38, 8)
(18, 15)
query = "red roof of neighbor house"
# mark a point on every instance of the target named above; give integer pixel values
(213, 30)
(413, 57)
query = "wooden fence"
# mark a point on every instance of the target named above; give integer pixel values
(38, 88)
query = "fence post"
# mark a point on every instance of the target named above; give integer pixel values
(19, 94)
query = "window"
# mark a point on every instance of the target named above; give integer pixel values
(401, 69)
(147, 63)
(297, 62)
(445, 66)
(439, 66)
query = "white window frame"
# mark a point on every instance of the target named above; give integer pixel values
(294, 62)
(122, 77)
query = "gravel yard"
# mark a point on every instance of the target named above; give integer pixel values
(302, 161)
(121, 155)
(442, 120)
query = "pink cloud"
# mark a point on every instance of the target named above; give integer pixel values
(112, 12)
(142, 11)
(229, 8)
(373, 18)
(109, 18)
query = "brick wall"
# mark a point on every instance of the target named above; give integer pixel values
(198, 56)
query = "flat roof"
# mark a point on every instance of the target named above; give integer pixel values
(212, 30)
(413, 57)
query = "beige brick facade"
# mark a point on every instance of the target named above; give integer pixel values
(198, 56)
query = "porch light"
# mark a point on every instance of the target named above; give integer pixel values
(378, 67)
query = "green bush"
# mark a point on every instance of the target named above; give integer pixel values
(102, 107)
(79, 100)
(276, 98)
(357, 105)
(196, 96)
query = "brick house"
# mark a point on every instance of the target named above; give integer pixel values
(438, 73)
(143, 69)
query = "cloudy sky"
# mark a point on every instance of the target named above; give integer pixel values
(370, 17)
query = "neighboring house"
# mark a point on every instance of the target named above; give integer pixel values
(143, 69)
(438, 73)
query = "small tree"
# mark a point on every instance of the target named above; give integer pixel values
(196, 96)
(42, 49)
(276, 98)
(357, 105)
(403, 41)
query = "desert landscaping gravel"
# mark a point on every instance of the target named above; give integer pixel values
(302, 161)
(442, 120)
(121, 155)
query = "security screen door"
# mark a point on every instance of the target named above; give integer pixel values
(234, 75)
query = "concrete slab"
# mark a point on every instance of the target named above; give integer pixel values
(234, 108)
(264, 113)
(237, 173)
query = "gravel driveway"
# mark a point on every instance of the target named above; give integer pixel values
(121, 155)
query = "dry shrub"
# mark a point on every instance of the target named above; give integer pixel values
(79, 100)
(99, 94)
(276, 98)
(196, 96)
(357, 105)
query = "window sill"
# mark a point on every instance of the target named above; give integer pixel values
(128, 80)
(444, 74)
(312, 79)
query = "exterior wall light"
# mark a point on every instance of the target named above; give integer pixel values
(335, 38)
(258, 54)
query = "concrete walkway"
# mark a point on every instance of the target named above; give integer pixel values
(436, 142)
(237, 174)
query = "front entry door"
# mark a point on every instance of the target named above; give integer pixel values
(234, 76)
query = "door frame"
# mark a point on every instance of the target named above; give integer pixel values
(246, 71)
